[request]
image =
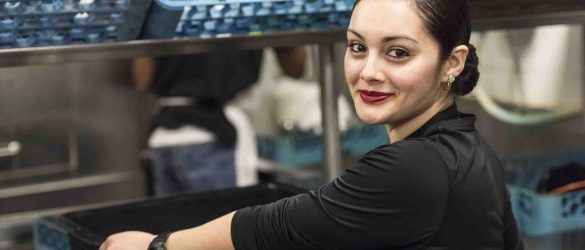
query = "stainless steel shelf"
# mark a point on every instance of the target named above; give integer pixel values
(138, 48)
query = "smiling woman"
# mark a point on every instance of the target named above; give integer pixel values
(400, 61)
(437, 186)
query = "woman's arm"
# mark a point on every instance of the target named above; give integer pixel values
(395, 196)
(215, 234)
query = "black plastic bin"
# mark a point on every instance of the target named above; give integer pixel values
(87, 229)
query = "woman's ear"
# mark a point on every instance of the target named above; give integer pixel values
(455, 62)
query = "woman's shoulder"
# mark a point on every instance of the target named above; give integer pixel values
(408, 149)
(401, 167)
(417, 156)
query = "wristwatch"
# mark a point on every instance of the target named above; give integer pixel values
(158, 243)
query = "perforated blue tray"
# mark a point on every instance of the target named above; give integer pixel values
(215, 18)
(36, 23)
(541, 214)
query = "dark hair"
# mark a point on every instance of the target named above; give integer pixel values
(448, 21)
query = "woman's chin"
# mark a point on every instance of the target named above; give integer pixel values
(371, 120)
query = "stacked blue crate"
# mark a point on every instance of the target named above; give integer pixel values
(48, 236)
(303, 149)
(220, 18)
(537, 213)
(32, 23)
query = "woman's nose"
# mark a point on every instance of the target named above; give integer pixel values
(371, 72)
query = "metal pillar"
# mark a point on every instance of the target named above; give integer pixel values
(583, 76)
(329, 94)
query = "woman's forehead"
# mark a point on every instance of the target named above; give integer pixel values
(387, 18)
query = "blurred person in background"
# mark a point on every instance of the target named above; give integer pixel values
(193, 135)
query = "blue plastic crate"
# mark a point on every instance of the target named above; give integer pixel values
(361, 139)
(302, 149)
(541, 214)
(298, 149)
(220, 18)
(50, 236)
(33, 23)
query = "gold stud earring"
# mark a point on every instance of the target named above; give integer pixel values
(450, 81)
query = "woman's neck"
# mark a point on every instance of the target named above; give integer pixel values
(403, 130)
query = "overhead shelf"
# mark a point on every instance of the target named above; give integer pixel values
(487, 20)
(160, 47)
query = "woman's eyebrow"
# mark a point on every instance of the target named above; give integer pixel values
(387, 38)
(399, 37)
(355, 33)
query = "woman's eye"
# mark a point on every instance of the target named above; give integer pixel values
(398, 53)
(356, 47)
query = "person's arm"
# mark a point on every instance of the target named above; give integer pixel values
(143, 70)
(292, 60)
(394, 197)
(215, 234)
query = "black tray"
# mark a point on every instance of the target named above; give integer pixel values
(87, 229)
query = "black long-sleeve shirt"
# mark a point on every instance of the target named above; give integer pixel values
(440, 188)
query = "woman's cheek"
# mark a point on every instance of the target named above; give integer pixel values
(352, 71)
(407, 78)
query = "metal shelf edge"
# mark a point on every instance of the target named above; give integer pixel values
(160, 47)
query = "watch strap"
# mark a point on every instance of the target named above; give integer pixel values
(159, 242)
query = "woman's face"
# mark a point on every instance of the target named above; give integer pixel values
(392, 64)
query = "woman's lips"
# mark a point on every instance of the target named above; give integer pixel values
(373, 96)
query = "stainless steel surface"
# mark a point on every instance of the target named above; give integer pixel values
(329, 94)
(23, 204)
(37, 111)
(8, 155)
(80, 125)
(73, 190)
(529, 20)
(66, 183)
(28, 172)
(10, 149)
(138, 48)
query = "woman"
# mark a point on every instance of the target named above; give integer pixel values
(437, 186)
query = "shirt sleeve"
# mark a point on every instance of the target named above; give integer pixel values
(394, 197)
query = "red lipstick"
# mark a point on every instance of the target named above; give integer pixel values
(373, 96)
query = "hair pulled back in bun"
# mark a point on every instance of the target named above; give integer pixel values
(468, 78)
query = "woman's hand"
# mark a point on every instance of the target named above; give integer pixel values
(130, 240)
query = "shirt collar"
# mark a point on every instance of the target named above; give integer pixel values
(451, 116)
